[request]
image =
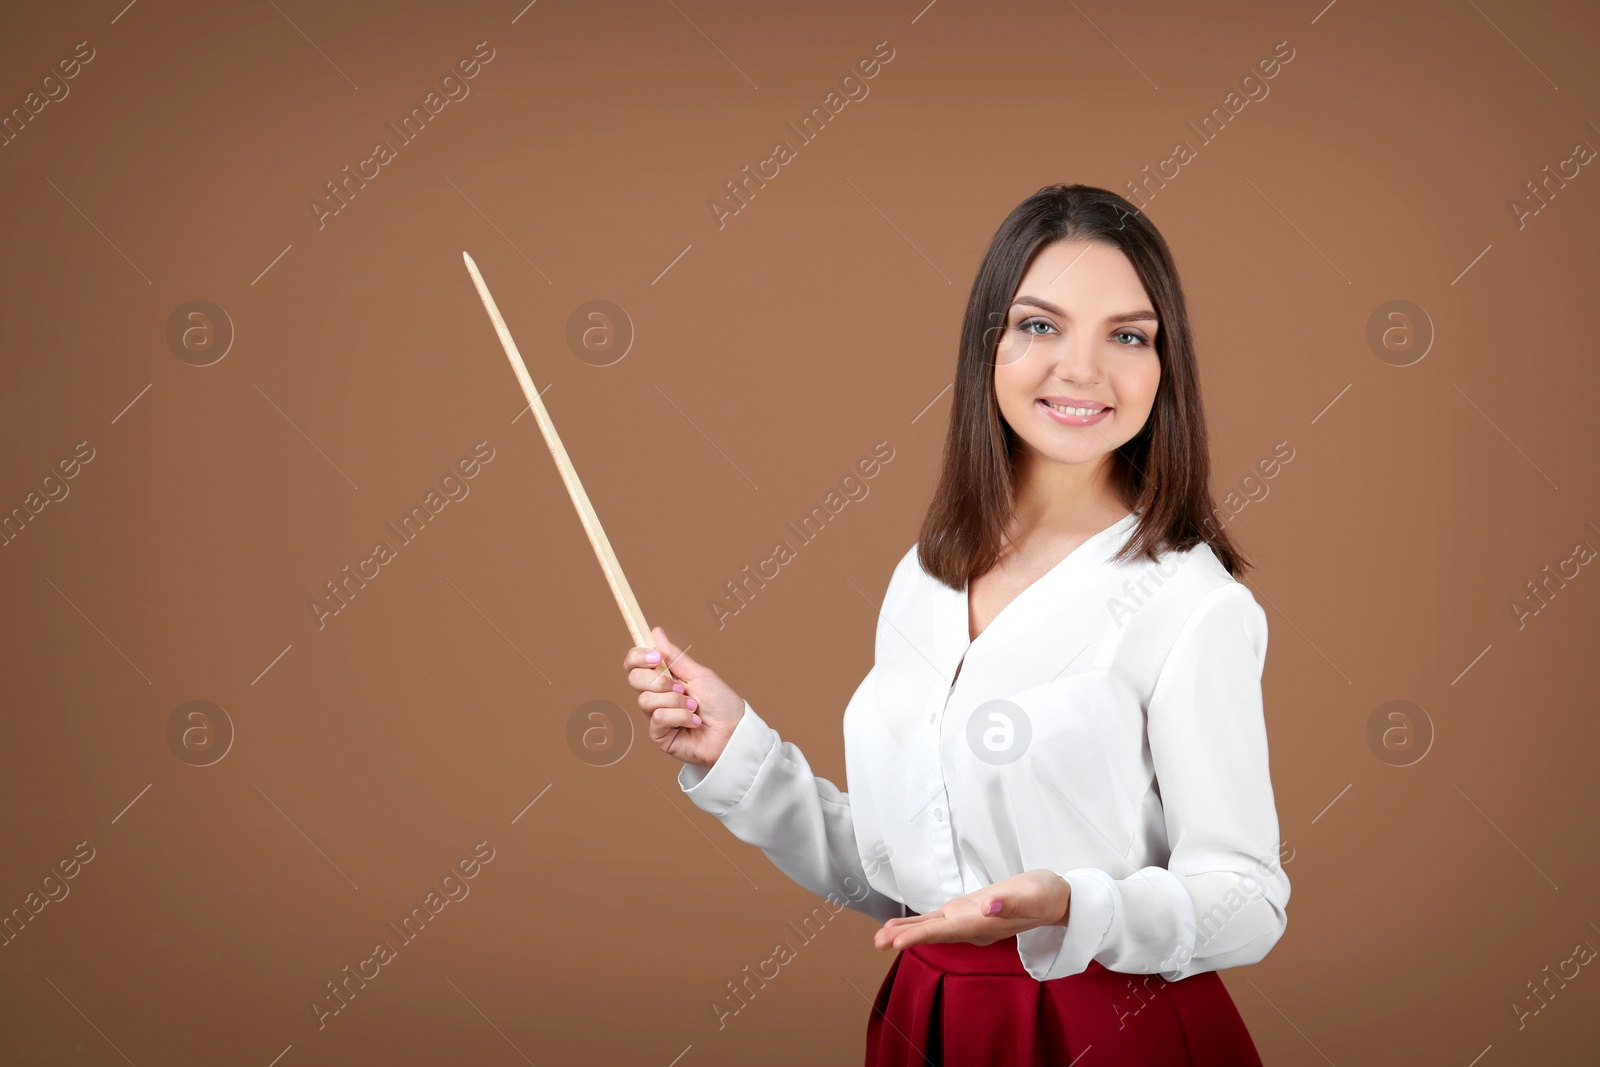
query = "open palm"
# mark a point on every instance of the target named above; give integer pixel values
(1027, 900)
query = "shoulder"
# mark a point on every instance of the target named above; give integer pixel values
(1184, 590)
(912, 591)
(1179, 579)
(907, 577)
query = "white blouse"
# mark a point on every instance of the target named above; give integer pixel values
(1107, 725)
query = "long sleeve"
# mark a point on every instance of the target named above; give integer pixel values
(1220, 900)
(763, 791)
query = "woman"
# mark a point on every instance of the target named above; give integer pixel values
(1061, 809)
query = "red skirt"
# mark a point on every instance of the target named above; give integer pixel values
(956, 1004)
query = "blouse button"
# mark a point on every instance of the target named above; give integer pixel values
(938, 813)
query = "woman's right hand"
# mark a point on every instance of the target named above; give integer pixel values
(692, 720)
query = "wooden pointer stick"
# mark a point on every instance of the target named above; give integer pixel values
(618, 581)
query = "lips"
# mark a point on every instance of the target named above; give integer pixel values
(1091, 407)
(1096, 412)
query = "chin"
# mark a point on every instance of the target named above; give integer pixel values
(1076, 457)
(1054, 453)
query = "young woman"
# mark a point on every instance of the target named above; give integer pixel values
(1060, 804)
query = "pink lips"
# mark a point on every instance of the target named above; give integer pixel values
(1074, 402)
(1065, 419)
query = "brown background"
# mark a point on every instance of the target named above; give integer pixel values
(371, 754)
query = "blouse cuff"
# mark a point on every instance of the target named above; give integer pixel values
(718, 788)
(1050, 952)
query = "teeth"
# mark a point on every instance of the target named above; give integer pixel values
(1074, 411)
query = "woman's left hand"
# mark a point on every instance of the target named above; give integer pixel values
(1032, 898)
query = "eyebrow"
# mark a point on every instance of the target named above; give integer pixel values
(1126, 316)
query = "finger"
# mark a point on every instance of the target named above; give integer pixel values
(883, 937)
(669, 717)
(896, 925)
(923, 933)
(678, 661)
(645, 674)
(651, 702)
(886, 935)
(639, 656)
(652, 680)
(961, 929)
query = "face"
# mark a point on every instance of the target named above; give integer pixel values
(1080, 333)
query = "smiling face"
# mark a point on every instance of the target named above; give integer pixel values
(1080, 334)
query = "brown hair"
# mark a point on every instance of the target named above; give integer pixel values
(1163, 473)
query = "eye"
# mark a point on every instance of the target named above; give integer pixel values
(1026, 325)
(1139, 338)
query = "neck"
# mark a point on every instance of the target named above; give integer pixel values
(1063, 498)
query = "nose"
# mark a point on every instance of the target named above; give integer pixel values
(1077, 358)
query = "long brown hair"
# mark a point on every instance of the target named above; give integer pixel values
(1163, 473)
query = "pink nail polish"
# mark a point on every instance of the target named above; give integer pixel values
(994, 908)
(652, 657)
(693, 704)
(697, 720)
(677, 687)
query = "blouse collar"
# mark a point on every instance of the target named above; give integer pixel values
(955, 639)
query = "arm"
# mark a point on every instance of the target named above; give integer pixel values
(1220, 900)
(763, 791)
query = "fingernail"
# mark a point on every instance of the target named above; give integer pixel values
(677, 687)
(652, 657)
(693, 704)
(697, 720)
(994, 908)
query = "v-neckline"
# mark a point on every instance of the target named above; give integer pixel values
(965, 598)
